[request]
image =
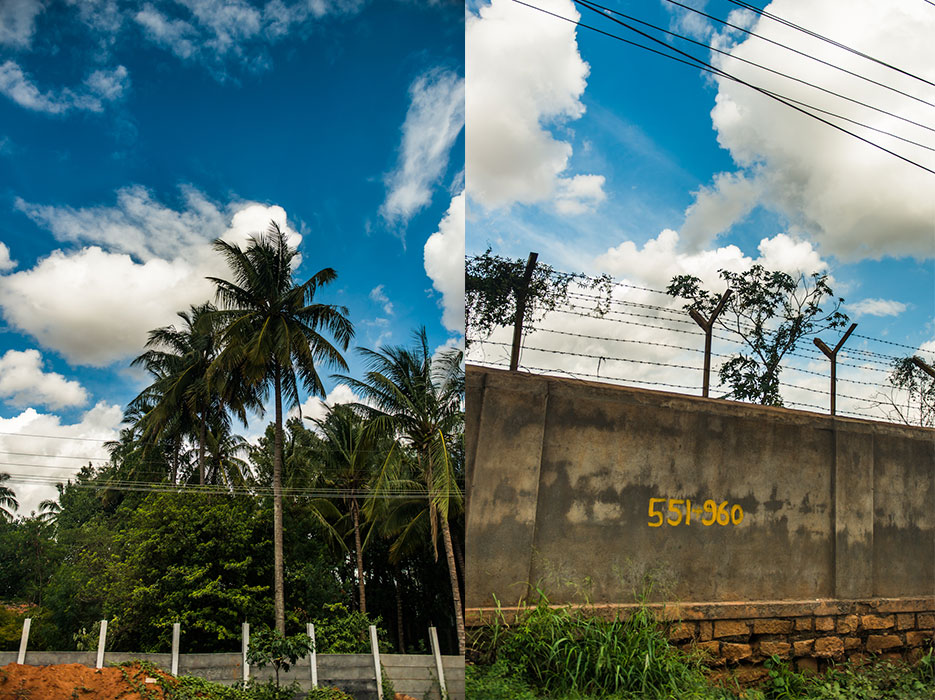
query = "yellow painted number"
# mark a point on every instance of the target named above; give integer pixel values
(736, 514)
(709, 507)
(723, 517)
(653, 513)
(672, 509)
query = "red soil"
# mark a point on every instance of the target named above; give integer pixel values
(68, 681)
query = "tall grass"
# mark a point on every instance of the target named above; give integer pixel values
(567, 651)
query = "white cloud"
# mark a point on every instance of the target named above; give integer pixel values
(717, 208)
(877, 307)
(6, 263)
(524, 74)
(444, 264)
(856, 201)
(315, 408)
(660, 259)
(23, 382)
(99, 87)
(379, 296)
(43, 434)
(18, 22)
(433, 122)
(145, 262)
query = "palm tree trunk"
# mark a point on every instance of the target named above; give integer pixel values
(399, 611)
(455, 588)
(279, 605)
(203, 438)
(355, 512)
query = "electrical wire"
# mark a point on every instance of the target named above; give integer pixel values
(703, 65)
(790, 48)
(793, 25)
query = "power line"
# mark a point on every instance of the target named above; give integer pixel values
(793, 25)
(698, 63)
(592, 5)
(790, 48)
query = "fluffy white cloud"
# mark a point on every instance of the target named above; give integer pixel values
(877, 307)
(315, 408)
(379, 296)
(433, 122)
(855, 200)
(524, 74)
(6, 263)
(96, 305)
(54, 450)
(18, 22)
(444, 263)
(100, 86)
(660, 259)
(22, 381)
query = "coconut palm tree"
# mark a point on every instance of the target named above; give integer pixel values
(352, 453)
(421, 397)
(273, 339)
(8, 502)
(183, 399)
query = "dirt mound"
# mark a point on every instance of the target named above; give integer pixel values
(68, 681)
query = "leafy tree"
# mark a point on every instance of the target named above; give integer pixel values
(8, 503)
(910, 398)
(420, 398)
(273, 336)
(771, 312)
(269, 646)
(493, 284)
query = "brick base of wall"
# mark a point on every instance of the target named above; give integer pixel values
(810, 633)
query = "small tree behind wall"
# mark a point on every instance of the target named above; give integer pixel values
(771, 312)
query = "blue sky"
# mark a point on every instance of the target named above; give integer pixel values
(133, 134)
(604, 158)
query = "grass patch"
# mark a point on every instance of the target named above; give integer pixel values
(563, 653)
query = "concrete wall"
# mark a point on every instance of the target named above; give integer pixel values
(561, 473)
(412, 674)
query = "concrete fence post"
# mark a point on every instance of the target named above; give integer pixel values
(246, 647)
(176, 633)
(23, 641)
(313, 655)
(439, 668)
(376, 660)
(101, 643)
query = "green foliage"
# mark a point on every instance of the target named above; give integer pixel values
(565, 650)
(321, 693)
(911, 398)
(771, 312)
(492, 284)
(496, 682)
(343, 631)
(269, 646)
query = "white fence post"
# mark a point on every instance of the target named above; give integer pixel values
(436, 652)
(21, 657)
(176, 632)
(313, 656)
(101, 643)
(246, 647)
(376, 660)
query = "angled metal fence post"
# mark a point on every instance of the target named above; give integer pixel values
(833, 356)
(521, 311)
(920, 363)
(707, 325)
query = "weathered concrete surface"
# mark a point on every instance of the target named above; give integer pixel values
(412, 674)
(561, 473)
